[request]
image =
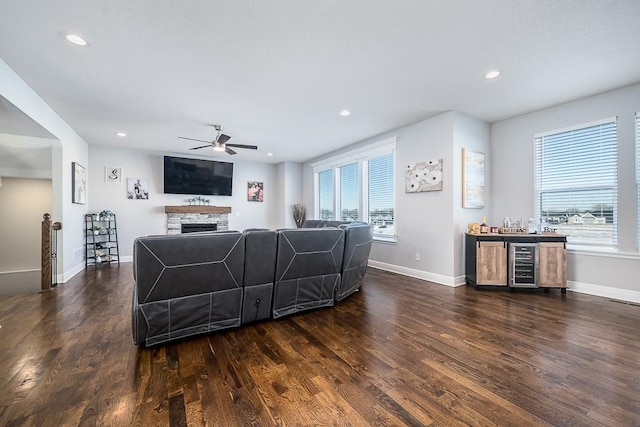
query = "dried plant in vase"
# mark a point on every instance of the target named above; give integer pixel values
(299, 213)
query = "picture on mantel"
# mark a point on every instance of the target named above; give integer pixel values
(138, 188)
(424, 176)
(255, 191)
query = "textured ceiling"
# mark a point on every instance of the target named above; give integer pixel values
(277, 73)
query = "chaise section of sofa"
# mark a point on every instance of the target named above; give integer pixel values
(308, 263)
(186, 285)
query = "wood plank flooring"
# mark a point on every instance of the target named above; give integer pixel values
(400, 352)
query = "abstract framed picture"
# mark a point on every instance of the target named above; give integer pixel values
(423, 176)
(472, 179)
(78, 183)
(255, 191)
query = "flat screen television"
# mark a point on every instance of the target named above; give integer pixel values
(199, 177)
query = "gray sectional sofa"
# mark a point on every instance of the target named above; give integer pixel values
(196, 283)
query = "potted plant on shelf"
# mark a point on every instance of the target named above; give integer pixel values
(106, 215)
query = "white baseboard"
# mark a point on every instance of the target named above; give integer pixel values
(605, 291)
(419, 274)
(584, 288)
(68, 275)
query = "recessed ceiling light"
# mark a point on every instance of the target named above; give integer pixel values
(121, 134)
(345, 113)
(492, 74)
(76, 40)
(269, 154)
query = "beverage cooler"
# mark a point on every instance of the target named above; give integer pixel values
(523, 265)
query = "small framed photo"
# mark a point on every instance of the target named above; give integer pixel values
(78, 184)
(112, 174)
(255, 191)
(138, 188)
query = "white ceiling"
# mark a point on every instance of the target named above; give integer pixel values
(277, 73)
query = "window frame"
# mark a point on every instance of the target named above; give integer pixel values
(361, 156)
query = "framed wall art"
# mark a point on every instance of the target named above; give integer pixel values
(255, 191)
(112, 174)
(472, 179)
(424, 176)
(137, 188)
(78, 183)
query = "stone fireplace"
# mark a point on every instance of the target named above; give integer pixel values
(178, 215)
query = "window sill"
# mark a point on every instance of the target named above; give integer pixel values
(386, 240)
(601, 252)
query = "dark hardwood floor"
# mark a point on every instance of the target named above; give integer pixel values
(400, 352)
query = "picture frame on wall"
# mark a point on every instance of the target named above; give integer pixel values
(112, 174)
(255, 191)
(472, 179)
(78, 183)
(137, 189)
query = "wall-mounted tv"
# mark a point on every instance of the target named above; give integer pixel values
(199, 177)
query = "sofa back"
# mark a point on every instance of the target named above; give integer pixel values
(186, 284)
(259, 272)
(308, 263)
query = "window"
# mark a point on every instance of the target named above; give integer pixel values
(381, 195)
(359, 186)
(576, 183)
(349, 192)
(325, 194)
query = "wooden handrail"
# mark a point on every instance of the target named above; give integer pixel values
(46, 253)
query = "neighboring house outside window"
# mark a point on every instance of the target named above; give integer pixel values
(359, 186)
(576, 183)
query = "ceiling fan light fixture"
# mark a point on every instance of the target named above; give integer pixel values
(219, 147)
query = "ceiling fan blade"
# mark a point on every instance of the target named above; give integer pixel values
(223, 138)
(249, 147)
(229, 150)
(197, 148)
(191, 139)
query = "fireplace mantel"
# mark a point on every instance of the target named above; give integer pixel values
(198, 209)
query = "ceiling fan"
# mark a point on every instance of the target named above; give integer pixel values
(220, 142)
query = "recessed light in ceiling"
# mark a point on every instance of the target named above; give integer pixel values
(75, 39)
(269, 154)
(345, 113)
(121, 134)
(492, 74)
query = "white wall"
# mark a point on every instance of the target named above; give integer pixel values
(613, 275)
(429, 224)
(22, 204)
(143, 217)
(290, 184)
(71, 148)
(475, 135)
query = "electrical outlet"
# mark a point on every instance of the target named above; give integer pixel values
(417, 257)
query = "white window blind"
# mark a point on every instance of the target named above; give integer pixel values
(381, 195)
(638, 174)
(576, 183)
(349, 192)
(325, 194)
